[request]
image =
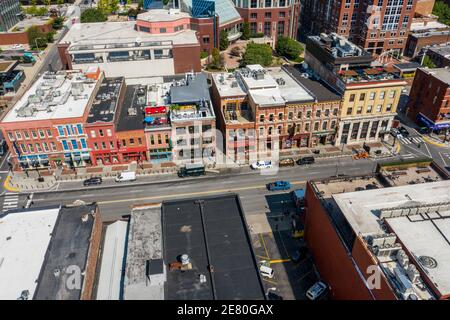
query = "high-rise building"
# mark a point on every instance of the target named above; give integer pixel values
(9, 14)
(271, 17)
(376, 25)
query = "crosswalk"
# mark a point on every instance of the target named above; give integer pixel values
(415, 140)
(446, 155)
(10, 201)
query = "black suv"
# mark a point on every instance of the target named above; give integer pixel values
(305, 160)
(92, 181)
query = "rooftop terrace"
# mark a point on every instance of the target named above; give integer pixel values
(106, 101)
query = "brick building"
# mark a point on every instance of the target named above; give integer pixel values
(45, 128)
(377, 26)
(271, 17)
(429, 99)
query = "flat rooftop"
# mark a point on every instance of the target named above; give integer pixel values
(442, 74)
(255, 77)
(411, 175)
(409, 211)
(290, 90)
(38, 245)
(24, 24)
(213, 233)
(132, 111)
(110, 35)
(321, 91)
(7, 66)
(441, 50)
(55, 95)
(105, 105)
(228, 85)
(162, 15)
(429, 26)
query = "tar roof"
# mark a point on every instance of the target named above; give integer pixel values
(407, 66)
(213, 229)
(68, 248)
(7, 66)
(319, 89)
(195, 90)
(442, 74)
(135, 99)
(106, 101)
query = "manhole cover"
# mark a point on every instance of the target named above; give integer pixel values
(428, 262)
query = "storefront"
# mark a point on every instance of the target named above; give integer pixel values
(438, 128)
(160, 155)
(322, 138)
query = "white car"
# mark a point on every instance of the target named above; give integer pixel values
(16, 46)
(396, 133)
(261, 165)
(316, 290)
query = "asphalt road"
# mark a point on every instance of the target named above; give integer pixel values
(117, 201)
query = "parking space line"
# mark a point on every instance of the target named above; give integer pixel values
(261, 257)
(264, 245)
(269, 281)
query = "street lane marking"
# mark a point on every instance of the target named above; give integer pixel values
(194, 193)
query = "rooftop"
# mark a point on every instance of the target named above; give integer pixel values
(55, 95)
(338, 46)
(407, 66)
(441, 50)
(35, 250)
(24, 24)
(162, 15)
(290, 90)
(442, 74)
(428, 26)
(7, 66)
(105, 105)
(110, 35)
(411, 211)
(213, 233)
(191, 97)
(225, 9)
(133, 108)
(319, 89)
(228, 85)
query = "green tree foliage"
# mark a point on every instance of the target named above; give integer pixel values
(114, 5)
(442, 10)
(59, 2)
(288, 48)
(50, 36)
(223, 43)
(257, 54)
(165, 2)
(427, 62)
(58, 23)
(36, 37)
(47, 2)
(245, 31)
(93, 15)
(216, 60)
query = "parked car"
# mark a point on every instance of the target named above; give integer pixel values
(279, 185)
(261, 165)
(305, 160)
(403, 131)
(316, 291)
(288, 162)
(92, 181)
(266, 272)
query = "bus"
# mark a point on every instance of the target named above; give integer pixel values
(192, 169)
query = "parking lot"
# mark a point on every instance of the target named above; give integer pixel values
(276, 249)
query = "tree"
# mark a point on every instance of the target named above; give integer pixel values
(216, 62)
(140, 4)
(103, 6)
(245, 31)
(47, 2)
(93, 15)
(57, 23)
(33, 2)
(442, 10)
(114, 5)
(223, 43)
(257, 54)
(59, 2)
(36, 37)
(288, 47)
(50, 36)
(427, 62)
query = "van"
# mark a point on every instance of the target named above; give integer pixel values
(126, 176)
(192, 169)
(266, 272)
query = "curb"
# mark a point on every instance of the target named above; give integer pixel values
(8, 187)
(431, 141)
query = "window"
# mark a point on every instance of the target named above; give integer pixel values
(261, 118)
(327, 112)
(38, 147)
(33, 134)
(108, 132)
(206, 128)
(100, 132)
(333, 124)
(271, 117)
(65, 145)
(352, 98)
(299, 115)
(324, 125)
(268, 15)
(30, 147)
(74, 144)
(61, 131)
(83, 144)
(316, 126)
(267, 30)
(392, 94)
(268, 3)
(362, 96)
(131, 141)
(291, 115)
(388, 107)
(335, 112)
(382, 93)
(349, 111)
(280, 28)
(53, 145)
(280, 116)
(80, 129)
(41, 133)
(152, 140)
(359, 110)
(308, 114)
(369, 108)
(95, 145)
(103, 145)
(253, 15)
(254, 3)
(18, 136)
(318, 113)
(111, 145)
(23, 148)
(206, 39)
(379, 107)
(306, 127)
(162, 30)
(124, 142)
(372, 96)
(49, 133)
(261, 131)
(166, 138)
(282, 14)
(93, 133)
(280, 129)
(269, 131)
